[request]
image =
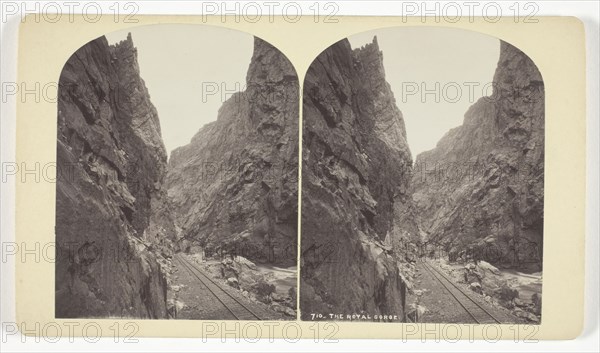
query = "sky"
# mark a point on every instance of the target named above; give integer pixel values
(416, 58)
(182, 65)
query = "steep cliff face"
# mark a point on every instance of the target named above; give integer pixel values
(481, 190)
(234, 187)
(112, 223)
(355, 176)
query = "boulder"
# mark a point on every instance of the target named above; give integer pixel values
(292, 294)
(507, 293)
(233, 282)
(537, 303)
(475, 287)
(245, 272)
(527, 315)
(277, 297)
(518, 302)
(263, 291)
(486, 267)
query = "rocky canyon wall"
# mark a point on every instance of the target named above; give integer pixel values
(113, 227)
(234, 186)
(355, 179)
(481, 190)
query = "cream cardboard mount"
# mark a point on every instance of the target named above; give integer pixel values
(554, 44)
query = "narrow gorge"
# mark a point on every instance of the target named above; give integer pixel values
(372, 221)
(129, 225)
(233, 189)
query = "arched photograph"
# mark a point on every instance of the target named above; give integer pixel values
(181, 143)
(422, 180)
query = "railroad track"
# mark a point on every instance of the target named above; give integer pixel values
(233, 305)
(472, 307)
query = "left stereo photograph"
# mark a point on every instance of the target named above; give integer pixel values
(177, 193)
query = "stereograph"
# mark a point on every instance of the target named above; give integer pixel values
(369, 177)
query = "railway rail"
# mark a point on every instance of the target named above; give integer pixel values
(475, 310)
(238, 310)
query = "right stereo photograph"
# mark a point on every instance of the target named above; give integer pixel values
(422, 193)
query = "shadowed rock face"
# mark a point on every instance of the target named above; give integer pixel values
(355, 177)
(482, 187)
(234, 186)
(112, 224)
